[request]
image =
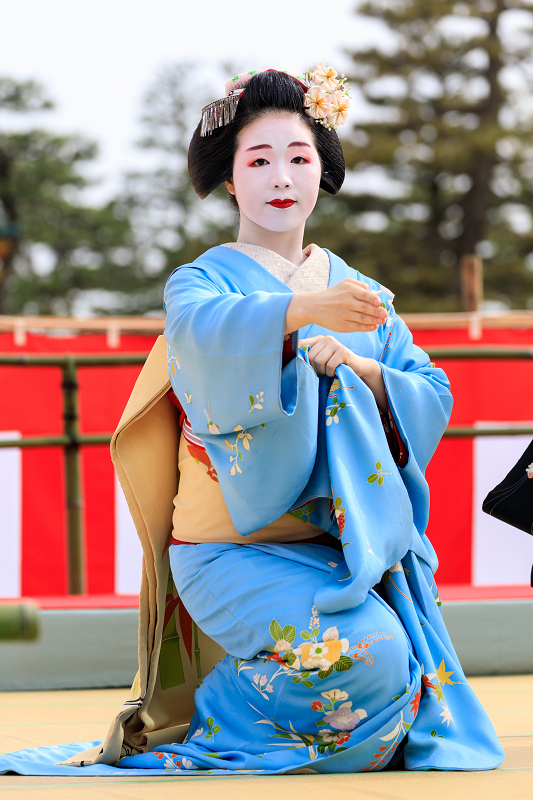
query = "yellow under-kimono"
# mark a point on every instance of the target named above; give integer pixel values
(145, 452)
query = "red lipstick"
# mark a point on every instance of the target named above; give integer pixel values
(282, 203)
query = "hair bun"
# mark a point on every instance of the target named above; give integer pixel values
(211, 157)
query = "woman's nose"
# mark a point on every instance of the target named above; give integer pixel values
(281, 180)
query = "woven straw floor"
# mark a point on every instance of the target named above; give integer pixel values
(30, 719)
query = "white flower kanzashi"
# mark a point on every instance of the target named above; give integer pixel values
(529, 471)
(325, 77)
(318, 103)
(340, 104)
(328, 100)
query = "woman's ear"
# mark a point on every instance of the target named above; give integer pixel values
(229, 186)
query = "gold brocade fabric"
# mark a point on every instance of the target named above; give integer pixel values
(208, 519)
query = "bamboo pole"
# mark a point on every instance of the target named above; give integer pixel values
(75, 537)
(56, 441)
(460, 353)
(464, 432)
(127, 359)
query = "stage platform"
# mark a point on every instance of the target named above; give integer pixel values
(90, 641)
(31, 719)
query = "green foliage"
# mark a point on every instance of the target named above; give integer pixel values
(116, 258)
(275, 630)
(439, 151)
(172, 225)
(40, 214)
(449, 136)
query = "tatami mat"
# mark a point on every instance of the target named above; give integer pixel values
(30, 719)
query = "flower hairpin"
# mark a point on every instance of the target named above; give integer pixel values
(327, 98)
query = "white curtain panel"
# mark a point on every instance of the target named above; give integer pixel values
(10, 517)
(502, 555)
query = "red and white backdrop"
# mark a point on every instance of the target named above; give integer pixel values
(473, 548)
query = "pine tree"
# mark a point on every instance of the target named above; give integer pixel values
(172, 225)
(448, 137)
(41, 215)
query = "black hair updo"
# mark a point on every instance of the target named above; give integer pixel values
(211, 157)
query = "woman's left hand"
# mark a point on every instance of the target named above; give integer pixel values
(326, 354)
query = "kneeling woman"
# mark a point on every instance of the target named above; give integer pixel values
(308, 418)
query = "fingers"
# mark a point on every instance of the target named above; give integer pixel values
(362, 300)
(311, 341)
(326, 355)
(362, 290)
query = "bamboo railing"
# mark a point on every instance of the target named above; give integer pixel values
(71, 440)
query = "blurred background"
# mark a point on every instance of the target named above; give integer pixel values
(97, 105)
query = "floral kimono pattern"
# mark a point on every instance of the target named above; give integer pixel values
(338, 659)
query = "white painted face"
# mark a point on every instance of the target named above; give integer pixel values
(276, 160)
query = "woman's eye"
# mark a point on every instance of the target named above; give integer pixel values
(300, 160)
(259, 162)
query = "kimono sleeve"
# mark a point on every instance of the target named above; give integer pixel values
(418, 393)
(421, 403)
(225, 352)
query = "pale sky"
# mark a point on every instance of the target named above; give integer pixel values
(96, 58)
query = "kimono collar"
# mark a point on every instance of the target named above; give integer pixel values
(311, 275)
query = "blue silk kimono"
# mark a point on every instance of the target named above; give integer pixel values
(338, 659)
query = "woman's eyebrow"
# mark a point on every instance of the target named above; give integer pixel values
(259, 147)
(269, 147)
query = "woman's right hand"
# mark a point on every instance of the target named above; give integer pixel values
(347, 307)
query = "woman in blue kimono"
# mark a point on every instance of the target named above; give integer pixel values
(308, 419)
(319, 585)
